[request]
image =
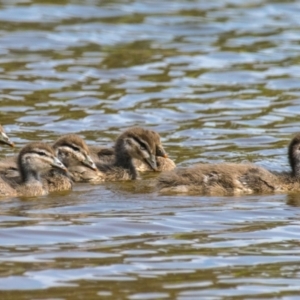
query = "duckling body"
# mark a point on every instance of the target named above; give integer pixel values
(57, 181)
(102, 155)
(33, 160)
(219, 179)
(6, 188)
(9, 167)
(233, 179)
(135, 143)
(163, 164)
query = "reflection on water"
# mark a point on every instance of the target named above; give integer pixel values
(218, 80)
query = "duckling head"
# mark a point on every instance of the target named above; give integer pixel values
(37, 158)
(137, 143)
(72, 150)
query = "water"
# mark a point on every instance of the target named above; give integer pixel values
(219, 80)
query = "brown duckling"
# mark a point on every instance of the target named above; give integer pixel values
(215, 179)
(107, 155)
(73, 152)
(233, 179)
(133, 144)
(33, 160)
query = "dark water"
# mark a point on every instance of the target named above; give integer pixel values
(219, 80)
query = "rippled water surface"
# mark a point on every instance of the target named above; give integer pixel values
(219, 80)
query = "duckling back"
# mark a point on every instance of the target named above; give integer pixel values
(220, 179)
(6, 189)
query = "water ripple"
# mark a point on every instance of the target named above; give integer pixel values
(218, 80)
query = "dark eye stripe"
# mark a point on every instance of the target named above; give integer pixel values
(72, 147)
(75, 148)
(41, 153)
(142, 144)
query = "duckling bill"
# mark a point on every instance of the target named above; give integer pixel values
(4, 139)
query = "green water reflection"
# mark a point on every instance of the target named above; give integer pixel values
(218, 80)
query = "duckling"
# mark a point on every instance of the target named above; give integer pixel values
(4, 139)
(233, 179)
(33, 160)
(74, 154)
(106, 155)
(135, 143)
(216, 179)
